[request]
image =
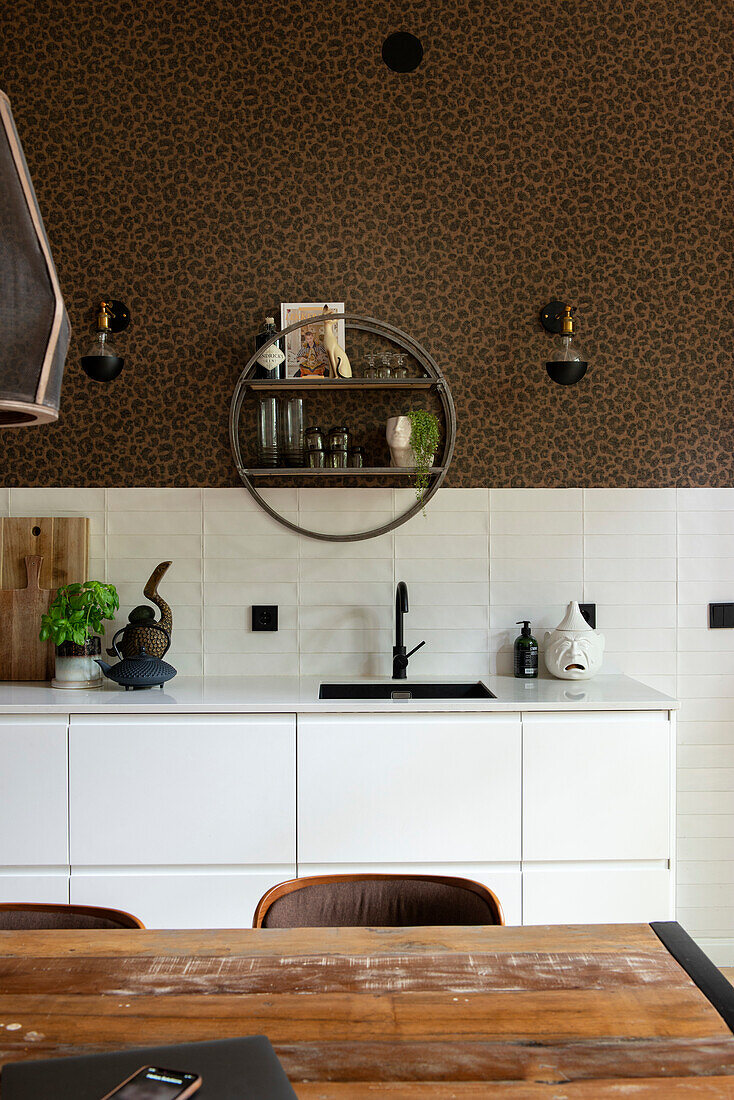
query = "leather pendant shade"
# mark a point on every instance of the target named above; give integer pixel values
(34, 327)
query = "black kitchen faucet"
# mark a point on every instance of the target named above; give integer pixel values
(399, 656)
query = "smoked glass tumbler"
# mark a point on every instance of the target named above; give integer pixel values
(267, 432)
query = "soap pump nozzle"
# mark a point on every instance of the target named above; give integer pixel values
(525, 632)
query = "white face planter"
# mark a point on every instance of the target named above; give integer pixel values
(573, 651)
(398, 432)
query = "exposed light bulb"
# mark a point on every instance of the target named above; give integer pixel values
(101, 361)
(566, 364)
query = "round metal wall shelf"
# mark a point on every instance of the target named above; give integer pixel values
(433, 380)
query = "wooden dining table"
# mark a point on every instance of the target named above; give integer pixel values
(584, 1012)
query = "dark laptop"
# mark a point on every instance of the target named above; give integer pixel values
(231, 1069)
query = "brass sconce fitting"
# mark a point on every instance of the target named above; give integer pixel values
(101, 361)
(566, 365)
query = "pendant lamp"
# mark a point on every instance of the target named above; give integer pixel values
(34, 327)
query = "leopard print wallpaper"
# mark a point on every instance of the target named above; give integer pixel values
(205, 161)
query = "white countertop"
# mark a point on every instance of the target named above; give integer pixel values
(287, 694)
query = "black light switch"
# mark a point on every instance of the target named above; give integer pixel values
(588, 610)
(721, 616)
(264, 616)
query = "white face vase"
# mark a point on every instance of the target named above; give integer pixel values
(573, 651)
(398, 432)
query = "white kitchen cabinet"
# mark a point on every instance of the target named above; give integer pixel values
(179, 899)
(408, 789)
(50, 887)
(598, 895)
(33, 791)
(596, 787)
(193, 790)
(187, 819)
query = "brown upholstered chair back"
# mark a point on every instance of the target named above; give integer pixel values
(27, 916)
(376, 901)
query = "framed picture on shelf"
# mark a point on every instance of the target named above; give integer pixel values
(305, 354)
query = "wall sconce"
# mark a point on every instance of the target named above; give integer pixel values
(101, 361)
(566, 365)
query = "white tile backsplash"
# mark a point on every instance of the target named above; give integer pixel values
(654, 522)
(536, 500)
(479, 561)
(57, 502)
(163, 523)
(235, 570)
(629, 500)
(153, 500)
(252, 547)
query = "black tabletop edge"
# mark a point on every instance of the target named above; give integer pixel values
(699, 968)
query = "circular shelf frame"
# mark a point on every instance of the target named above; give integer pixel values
(434, 380)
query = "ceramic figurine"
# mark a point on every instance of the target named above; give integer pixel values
(573, 651)
(142, 630)
(398, 432)
(338, 358)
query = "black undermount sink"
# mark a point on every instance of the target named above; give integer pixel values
(402, 692)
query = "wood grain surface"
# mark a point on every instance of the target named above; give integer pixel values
(561, 1012)
(23, 656)
(61, 545)
(62, 542)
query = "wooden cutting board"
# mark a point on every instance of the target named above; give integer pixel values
(61, 547)
(62, 542)
(22, 655)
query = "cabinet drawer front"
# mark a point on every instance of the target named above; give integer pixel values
(618, 895)
(33, 791)
(404, 789)
(51, 888)
(210, 790)
(596, 787)
(167, 899)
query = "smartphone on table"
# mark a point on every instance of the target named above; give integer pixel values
(153, 1083)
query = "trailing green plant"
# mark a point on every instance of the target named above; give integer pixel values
(77, 612)
(424, 440)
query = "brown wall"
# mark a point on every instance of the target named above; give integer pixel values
(204, 161)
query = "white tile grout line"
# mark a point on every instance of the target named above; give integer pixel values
(488, 505)
(106, 534)
(583, 546)
(298, 581)
(677, 594)
(201, 575)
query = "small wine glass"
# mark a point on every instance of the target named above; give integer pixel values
(400, 369)
(383, 371)
(371, 369)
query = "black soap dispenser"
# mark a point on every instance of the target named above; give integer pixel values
(526, 653)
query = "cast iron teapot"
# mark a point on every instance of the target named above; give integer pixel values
(142, 670)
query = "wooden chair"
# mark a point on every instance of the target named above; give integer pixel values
(29, 916)
(376, 901)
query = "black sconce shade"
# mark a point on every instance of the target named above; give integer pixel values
(402, 52)
(34, 327)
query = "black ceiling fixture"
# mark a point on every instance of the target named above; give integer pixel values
(402, 52)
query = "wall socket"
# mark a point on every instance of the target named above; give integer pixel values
(264, 616)
(721, 616)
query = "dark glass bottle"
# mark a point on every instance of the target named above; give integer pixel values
(271, 364)
(526, 653)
